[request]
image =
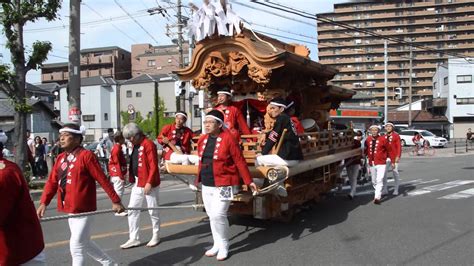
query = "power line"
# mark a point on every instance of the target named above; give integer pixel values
(136, 21)
(281, 30)
(347, 26)
(281, 36)
(117, 28)
(273, 13)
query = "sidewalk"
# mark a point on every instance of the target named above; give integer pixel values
(440, 152)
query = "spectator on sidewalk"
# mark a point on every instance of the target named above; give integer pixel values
(469, 135)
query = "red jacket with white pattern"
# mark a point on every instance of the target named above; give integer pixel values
(147, 165)
(229, 162)
(395, 145)
(84, 170)
(21, 238)
(117, 162)
(234, 121)
(170, 132)
(378, 154)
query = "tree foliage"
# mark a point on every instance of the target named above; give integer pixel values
(14, 16)
(147, 124)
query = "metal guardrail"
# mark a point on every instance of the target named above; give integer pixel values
(463, 146)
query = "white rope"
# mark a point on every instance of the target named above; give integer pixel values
(258, 38)
(83, 214)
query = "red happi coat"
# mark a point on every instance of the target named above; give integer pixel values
(229, 162)
(147, 165)
(21, 238)
(234, 121)
(172, 133)
(117, 162)
(84, 170)
(395, 146)
(379, 154)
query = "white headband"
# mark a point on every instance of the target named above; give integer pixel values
(216, 118)
(81, 131)
(374, 126)
(289, 105)
(389, 124)
(180, 113)
(278, 104)
(225, 92)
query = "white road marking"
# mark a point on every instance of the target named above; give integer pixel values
(460, 195)
(440, 187)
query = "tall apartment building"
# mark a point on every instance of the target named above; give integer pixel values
(113, 62)
(444, 27)
(155, 60)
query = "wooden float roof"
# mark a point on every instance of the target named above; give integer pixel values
(224, 55)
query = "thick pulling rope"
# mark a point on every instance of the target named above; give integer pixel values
(83, 214)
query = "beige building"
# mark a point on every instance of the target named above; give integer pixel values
(113, 62)
(154, 60)
(443, 27)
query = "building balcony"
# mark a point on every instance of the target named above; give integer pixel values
(103, 59)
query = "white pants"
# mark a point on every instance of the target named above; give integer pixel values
(352, 173)
(81, 241)
(396, 176)
(216, 209)
(273, 160)
(39, 260)
(377, 172)
(179, 158)
(119, 185)
(136, 200)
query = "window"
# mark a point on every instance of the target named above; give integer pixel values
(123, 57)
(464, 100)
(129, 94)
(151, 63)
(445, 81)
(138, 94)
(464, 78)
(88, 118)
(196, 111)
(106, 116)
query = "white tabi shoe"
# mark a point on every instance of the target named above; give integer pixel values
(122, 214)
(222, 255)
(155, 240)
(212, 252)
(130, 244)
(395, 193)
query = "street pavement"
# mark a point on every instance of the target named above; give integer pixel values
(430, 223)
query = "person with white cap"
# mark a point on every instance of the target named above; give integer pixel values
(73, 178)
(234, 120)
(143, 171)
(393, 157)
(290, 152)
(377, 149)
(221, 164)
(176, 140)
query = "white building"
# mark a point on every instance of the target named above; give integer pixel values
(453, 94)
(99, 106)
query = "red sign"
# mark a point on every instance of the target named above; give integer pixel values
(74, 114)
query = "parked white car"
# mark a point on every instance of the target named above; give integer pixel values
(434, 141)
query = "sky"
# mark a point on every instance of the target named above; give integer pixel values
(105, 23)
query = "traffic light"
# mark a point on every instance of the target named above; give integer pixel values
(399, 93)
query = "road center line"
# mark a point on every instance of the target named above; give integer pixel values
(109, 234)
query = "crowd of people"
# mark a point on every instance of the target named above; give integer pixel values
(221, 170)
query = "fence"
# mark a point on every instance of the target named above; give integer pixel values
(463, 146)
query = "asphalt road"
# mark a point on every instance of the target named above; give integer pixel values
(430, 223)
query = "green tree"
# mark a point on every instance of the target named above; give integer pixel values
(148, 124)
(15, 14)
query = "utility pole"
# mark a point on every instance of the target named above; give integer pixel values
(74, 83)
(157, 108)
(410, 87)
(385, 97)
(180, 100)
